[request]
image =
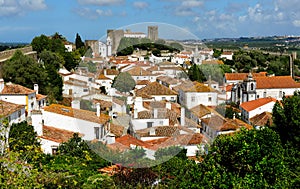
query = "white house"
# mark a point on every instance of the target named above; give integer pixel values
(251, 108)
(191, 94)
(21, 95)
(217, 125)
(138, 73)
(227, 55)
(15, 113)
(158, 92)
(91, 125)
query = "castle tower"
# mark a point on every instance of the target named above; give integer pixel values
(153, 33)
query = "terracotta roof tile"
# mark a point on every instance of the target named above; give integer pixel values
(143, 82)
(77, 113)
(212, 62)
(118, 101)
(103, 77)
(276, 82)
(195, 87)
(219, 123)
(117, 130)
(40, 97)
(168, 80)
(262, 119)
(128, 140)
(201, 110)
(242, 76)
(253, 104)
(7, 108)
(11, 88)
(103, 103)
(57, 135)
(138, 71)
(155, 88)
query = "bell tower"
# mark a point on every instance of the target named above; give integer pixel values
(249, 88)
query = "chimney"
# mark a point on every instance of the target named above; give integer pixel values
(75, 104)
(98, 109)
(1, 84)
(155, 113)
(135, 113)
(110, 138)
(37, 122)
(182, 116)
(36, 88)
(233, 116)
(168, 105)
(105, 71)
(152, 131)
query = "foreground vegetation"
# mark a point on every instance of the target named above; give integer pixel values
(265, 158)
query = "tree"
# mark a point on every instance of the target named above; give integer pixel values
(21, 136)
(24, 70)
(123, 82)
(195, 74)
(78, 41)
(40, 43)
(52, 63)
(286, 119)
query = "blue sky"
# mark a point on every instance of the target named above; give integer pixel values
(22, 20)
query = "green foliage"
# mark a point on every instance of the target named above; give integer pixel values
(123, 82)
(286, 119)
(245, 61)
(55, 44)
(99, 181)
(24, 70)
(52, 63)
(128, 45)
(78, 41)
(217, 53)
(195, 74)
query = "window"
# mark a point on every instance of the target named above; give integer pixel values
(172, 98)
(193, 99)
(163, 98)
(257, 96)
(149, 124)
(85, 90)
(252, 86)
(19, 113)
(265, 94)
(54, 150)
(96, 131)
(161, 122)
(209, 99)
(280, 94)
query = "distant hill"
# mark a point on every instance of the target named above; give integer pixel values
(8, 46)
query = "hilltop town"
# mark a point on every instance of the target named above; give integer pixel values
(136, 91)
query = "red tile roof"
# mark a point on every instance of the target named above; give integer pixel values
(77, 113)
(40, 97)
(155, 88)
(117, 130)
(57, 135)
(11, 88)
(242, 76)
(253, 104)
(262, 119)
(276, 82)
(103, 77)
(138, 71)
(201, 110)
(128, 140)
(7, 108)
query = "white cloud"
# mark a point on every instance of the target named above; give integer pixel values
(33, 4)
(140, 4)
(192, 3)
(296, 23)
(183, 11)
(101, 2)
(92, 13)
(19, 7)
(104, 12)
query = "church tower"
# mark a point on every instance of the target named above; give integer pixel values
(108, 45)
(249, 88)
